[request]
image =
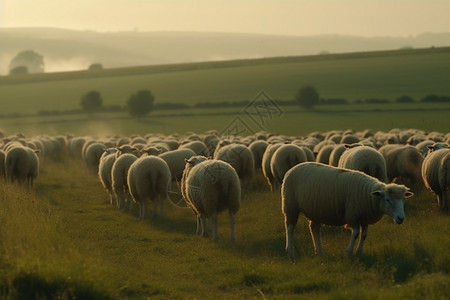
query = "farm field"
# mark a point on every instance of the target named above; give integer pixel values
(62, 239)
(291, 120)
(353, 76)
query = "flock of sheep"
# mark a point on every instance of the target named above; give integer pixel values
(334, 178)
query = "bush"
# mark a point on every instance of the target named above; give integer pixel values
(435, 98)
(404, 99)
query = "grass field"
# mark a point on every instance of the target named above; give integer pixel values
(64, 240)
(388, 74)
(291, 120)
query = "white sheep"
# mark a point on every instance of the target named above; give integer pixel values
(365, 159)
(92, 155)
(2, 165)
(119, 175)
(149, 179)
(403, 164)
(284, 158)
(436, 176)
(175, 159)
(198, 147)
(21, 164)
(336, 154)
(258, 148)
(266, 159)
(335, 196)
(209, 187)
(240, 158)
(104, 171)
(323, 156)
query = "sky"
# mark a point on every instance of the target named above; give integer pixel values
(367, 18)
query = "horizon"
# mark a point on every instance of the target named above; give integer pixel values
(370, 18)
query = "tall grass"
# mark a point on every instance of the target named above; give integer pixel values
(63, 239)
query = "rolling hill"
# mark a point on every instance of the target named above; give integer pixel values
(65, 50)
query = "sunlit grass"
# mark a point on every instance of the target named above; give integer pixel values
(64, 238)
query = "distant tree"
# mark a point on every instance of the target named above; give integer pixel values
(307, 96)
(30, 59)
(19, 70)
(404, 99)
(95, 66)
(140, 103)
(91, 102)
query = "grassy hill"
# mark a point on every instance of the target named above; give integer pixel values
(353, 76)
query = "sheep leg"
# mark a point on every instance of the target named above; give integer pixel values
(353, 238)
(289, 239)
(213, 220)
(199, 225)
(442, 201)
(362, 238)
(143, 209)
(232, 226)
(204, 223)
(314, 229)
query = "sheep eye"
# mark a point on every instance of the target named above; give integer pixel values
(388, 201)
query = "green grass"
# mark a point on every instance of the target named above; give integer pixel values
(63, 239)
(291, 121)
(385, 74)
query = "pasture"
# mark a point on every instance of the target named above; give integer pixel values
(353, 76)
(62, 238)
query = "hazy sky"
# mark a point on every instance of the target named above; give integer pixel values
(290, 17)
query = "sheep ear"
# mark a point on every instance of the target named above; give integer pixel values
(378, 193)
(409, 194)
(188, 161)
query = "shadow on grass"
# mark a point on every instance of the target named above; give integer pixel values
(31, 285)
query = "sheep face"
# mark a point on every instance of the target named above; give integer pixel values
(392, 199)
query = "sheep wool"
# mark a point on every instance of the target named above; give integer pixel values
(436, 176)
(365, 159)
(210, 187)
(119, 175)
(149, 180)
(336, 196)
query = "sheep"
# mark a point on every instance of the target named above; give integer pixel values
(21, 164)
(2, 165)
(175, 159)
(198, 147)
(364, 159)
(258, 148)
(336, 196)
(240, 158)
(119, 175)
(436, 176)
(149, 179)
(267, 157)
(209, 187)
(104, 171)
(336, 154)
(92, 156)
(323, 156)
(403, 164)
(284, 158)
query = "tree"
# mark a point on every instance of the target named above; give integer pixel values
(30, 59)
(18, 70)
(91, 102)
(95, 66)
(307, 96)
(140, 103)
